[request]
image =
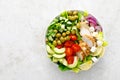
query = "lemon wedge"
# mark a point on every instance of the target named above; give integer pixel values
(98, 51)
(102, 53)
(87, 65)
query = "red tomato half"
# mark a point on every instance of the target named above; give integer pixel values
(76, 48)
(68, 51)
(68, 43)
(59, 46)
(73, 37)
(70, 59)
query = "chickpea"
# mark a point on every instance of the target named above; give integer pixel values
(70, 12)
(64, 34)
(78, 25)
(58, 35)
(55, 43)
(62, 39)
(73, 31)
(67, 32)
(59, 42)
(75, 12)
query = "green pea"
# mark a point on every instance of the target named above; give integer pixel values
(58, 35)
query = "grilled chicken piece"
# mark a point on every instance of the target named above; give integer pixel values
(89, 40)
(81, 55)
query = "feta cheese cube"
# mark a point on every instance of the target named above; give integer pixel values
(93, 49)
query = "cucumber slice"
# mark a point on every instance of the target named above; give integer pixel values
(74, 63)
(59, 55)
(59, 51)
(49, 50)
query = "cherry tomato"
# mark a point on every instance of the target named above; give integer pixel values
(59, 46)
(76, 48)
(73, 37)
(70, 59)
(68, 51)
(68, 43)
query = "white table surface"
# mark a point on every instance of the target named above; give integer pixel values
(22, 31)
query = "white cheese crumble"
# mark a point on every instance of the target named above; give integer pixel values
(95, 34)
(94, 59)
(91, 29)
(93, 49)
(99, 43)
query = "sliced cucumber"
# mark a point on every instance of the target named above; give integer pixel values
(49, 50)
(62, 50)
(59, 55)
(74, 63)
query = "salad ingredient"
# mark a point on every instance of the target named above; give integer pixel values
(67, 32)
(87, 65)
(99, 43)
(67, 38)
(59, 51)
(73, 31)
(68, 51)
(63, 67)
(70, 59)
(75, 62)
(49, 50)
(55, 43)
(59, 46)
(68, 43)
(63, 34)
(98, 51)
(93, 49)
(102, 53)
(76, 48)
(59, 55)
(81, 55)
(73, 37)
(58, 35)
(94, 59)
(105, 43)
(59, 42)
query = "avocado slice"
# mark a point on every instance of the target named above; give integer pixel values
(49, 50)
(74, 63)
(59, 55)
(59, 51)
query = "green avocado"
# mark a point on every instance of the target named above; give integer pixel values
(59, 51)
(49, 50)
